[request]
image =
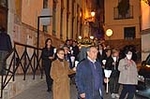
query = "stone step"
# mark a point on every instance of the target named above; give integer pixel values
(15, 87)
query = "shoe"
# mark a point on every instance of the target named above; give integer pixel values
(117, 95)
(113, 95)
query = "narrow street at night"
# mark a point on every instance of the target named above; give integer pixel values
(43, 42)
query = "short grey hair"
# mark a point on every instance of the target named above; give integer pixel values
(88, 48)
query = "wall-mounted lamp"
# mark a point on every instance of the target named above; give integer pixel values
(109, 32)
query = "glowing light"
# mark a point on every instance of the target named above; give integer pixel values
(109, 32)
(92, 13)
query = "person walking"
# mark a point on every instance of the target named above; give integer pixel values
(89, 76)
(128, 76)
(59, 73)
(113, 82)
(5, 48)
(47, 58)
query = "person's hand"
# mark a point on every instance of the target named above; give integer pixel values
(74, 69)
(51, 57)
(126, 66)
(82, 95)
(106, 80)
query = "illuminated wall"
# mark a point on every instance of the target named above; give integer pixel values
(117, 25)
(145, 11)
(145, 26)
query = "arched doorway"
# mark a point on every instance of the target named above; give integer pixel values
(3, 13)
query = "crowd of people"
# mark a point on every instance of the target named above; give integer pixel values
(84, 66)
(88, 75)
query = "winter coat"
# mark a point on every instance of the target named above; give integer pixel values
(85, 78)
(5, 42)
(128, 72)
(61, 82)
(46, 62)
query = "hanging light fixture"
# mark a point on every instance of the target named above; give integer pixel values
(92, 13)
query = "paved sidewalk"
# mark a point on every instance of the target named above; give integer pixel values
(38, 91)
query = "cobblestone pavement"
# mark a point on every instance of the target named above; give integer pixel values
(38, 91)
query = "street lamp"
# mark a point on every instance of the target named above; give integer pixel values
(44, 18)
(109, 33)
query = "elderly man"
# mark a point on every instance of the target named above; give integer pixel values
(89, 78)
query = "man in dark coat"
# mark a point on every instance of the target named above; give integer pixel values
(5, 48)
(89, 78)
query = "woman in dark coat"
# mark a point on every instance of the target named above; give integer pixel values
(47, 58)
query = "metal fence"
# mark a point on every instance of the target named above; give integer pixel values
(22, 60)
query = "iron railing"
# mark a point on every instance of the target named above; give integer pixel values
(22, 60)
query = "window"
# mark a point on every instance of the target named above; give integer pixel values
(129, 33)
(45, 3)
(123, 10)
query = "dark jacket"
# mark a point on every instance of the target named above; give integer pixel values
(75, 51)
(5, 42)
(46, 62)
(68, 58)
(85, 79)
(100, 57)
(111, 66)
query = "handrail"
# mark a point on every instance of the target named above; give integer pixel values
(29, 46)
(22, 61)
(9, 54)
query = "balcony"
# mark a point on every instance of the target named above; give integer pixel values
(128, 15)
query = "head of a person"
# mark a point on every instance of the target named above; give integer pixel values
(100, 47)
(108, 52)
(128, 54)
(60, 53)
(92, 52)
(66, 49)
(70, 42)
(115, 52)
(74, 43)
(48, 42)
(67, 42)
